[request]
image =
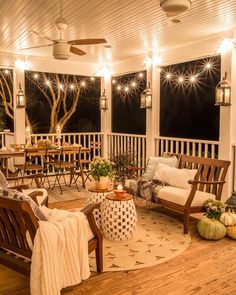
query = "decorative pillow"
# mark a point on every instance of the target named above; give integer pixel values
(153, 162)
(174, 176)
(3, 181)
(13, 194)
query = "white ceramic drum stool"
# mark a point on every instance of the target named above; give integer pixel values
(97, 196)
(118, 217)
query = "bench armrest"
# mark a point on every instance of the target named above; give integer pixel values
(88, 211)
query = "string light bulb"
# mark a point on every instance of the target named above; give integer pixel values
(6, 71)
(126, 89)
(140, 75)
(133, 84)
(168, 76)
(92, 78)
(60, 86)
(72, 86)
(36, 76)
(113, 81)
(118, 87)
(83, 84)
(181, 80)
(47, 82)
(208, 65)
(193, 79)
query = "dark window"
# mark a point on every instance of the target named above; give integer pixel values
(77, 106)
(127, 117)
(187, 108)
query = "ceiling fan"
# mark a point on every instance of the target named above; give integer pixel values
(61, 47)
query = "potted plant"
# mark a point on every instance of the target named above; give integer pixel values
(101, 171)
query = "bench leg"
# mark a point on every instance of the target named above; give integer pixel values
(99, 256)
(186, 221)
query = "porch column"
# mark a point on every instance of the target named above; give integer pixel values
(106, 115)
(19, 113)
(227, 134)
(153, 114)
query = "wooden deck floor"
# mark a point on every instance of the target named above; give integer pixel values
(206, 268)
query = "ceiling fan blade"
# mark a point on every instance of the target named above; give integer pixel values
(46, 45)
(42, 36)
(76, 50)
(87, 41)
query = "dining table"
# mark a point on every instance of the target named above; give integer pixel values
(10, 153)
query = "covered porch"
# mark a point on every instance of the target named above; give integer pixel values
(140, 38)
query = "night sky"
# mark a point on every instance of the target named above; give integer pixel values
(187, 111)
(127, 117)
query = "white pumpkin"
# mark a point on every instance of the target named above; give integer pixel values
(211, 229)
(231, 232)
(228, 218)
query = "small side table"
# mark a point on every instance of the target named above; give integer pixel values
(97, 196)
(119, 217)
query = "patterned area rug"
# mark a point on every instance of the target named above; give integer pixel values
(157, 238)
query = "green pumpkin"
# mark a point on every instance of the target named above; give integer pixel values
(211, 229)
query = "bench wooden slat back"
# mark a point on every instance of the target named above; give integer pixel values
(16, 218)
(208, 170)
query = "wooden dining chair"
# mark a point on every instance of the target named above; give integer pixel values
(33, 162)
(66, 164)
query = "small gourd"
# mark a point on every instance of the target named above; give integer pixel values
(211, 229)
(231, 232)
(228, 218)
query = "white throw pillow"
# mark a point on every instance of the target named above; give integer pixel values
(153, 162)
(174, 176)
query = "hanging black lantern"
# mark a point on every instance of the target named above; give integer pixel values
(20, 98)
(223, 93)
(103, 102)
(146, 98)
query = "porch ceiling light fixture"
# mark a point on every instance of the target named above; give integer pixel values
(223, 93)
(103, 101)
(146, 98)
(174, 7)
(20, 98)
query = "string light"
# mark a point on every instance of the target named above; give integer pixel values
(126, 89)
(83, 84)
(168, 75)
(47, 82)
(6, 72)
(181, 79)
(60, 86)
(193, 79)
(72, 86)
(133, 84)
(140, 75)
(118, 87)
(92, 78)
(36, 76)
(113, 81)
(208, 65)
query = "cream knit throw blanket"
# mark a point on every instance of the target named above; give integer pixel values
(60, 252)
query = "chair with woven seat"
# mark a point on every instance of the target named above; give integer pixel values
(63, 163)
(32, 161)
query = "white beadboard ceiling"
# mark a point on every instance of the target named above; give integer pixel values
(131, 27)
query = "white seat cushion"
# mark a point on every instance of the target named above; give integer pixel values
(180, 195)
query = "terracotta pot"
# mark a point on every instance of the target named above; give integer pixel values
(102, 184)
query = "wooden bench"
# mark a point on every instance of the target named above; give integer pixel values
(210, 178)
(17, 218)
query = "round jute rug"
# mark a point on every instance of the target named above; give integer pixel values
(157, 238)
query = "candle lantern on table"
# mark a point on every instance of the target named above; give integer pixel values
(58, 135)
(119, 190)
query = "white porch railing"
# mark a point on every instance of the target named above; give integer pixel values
(2, 139)
(6, 138)
(193, 147)
(119, 143)
(233, 167)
